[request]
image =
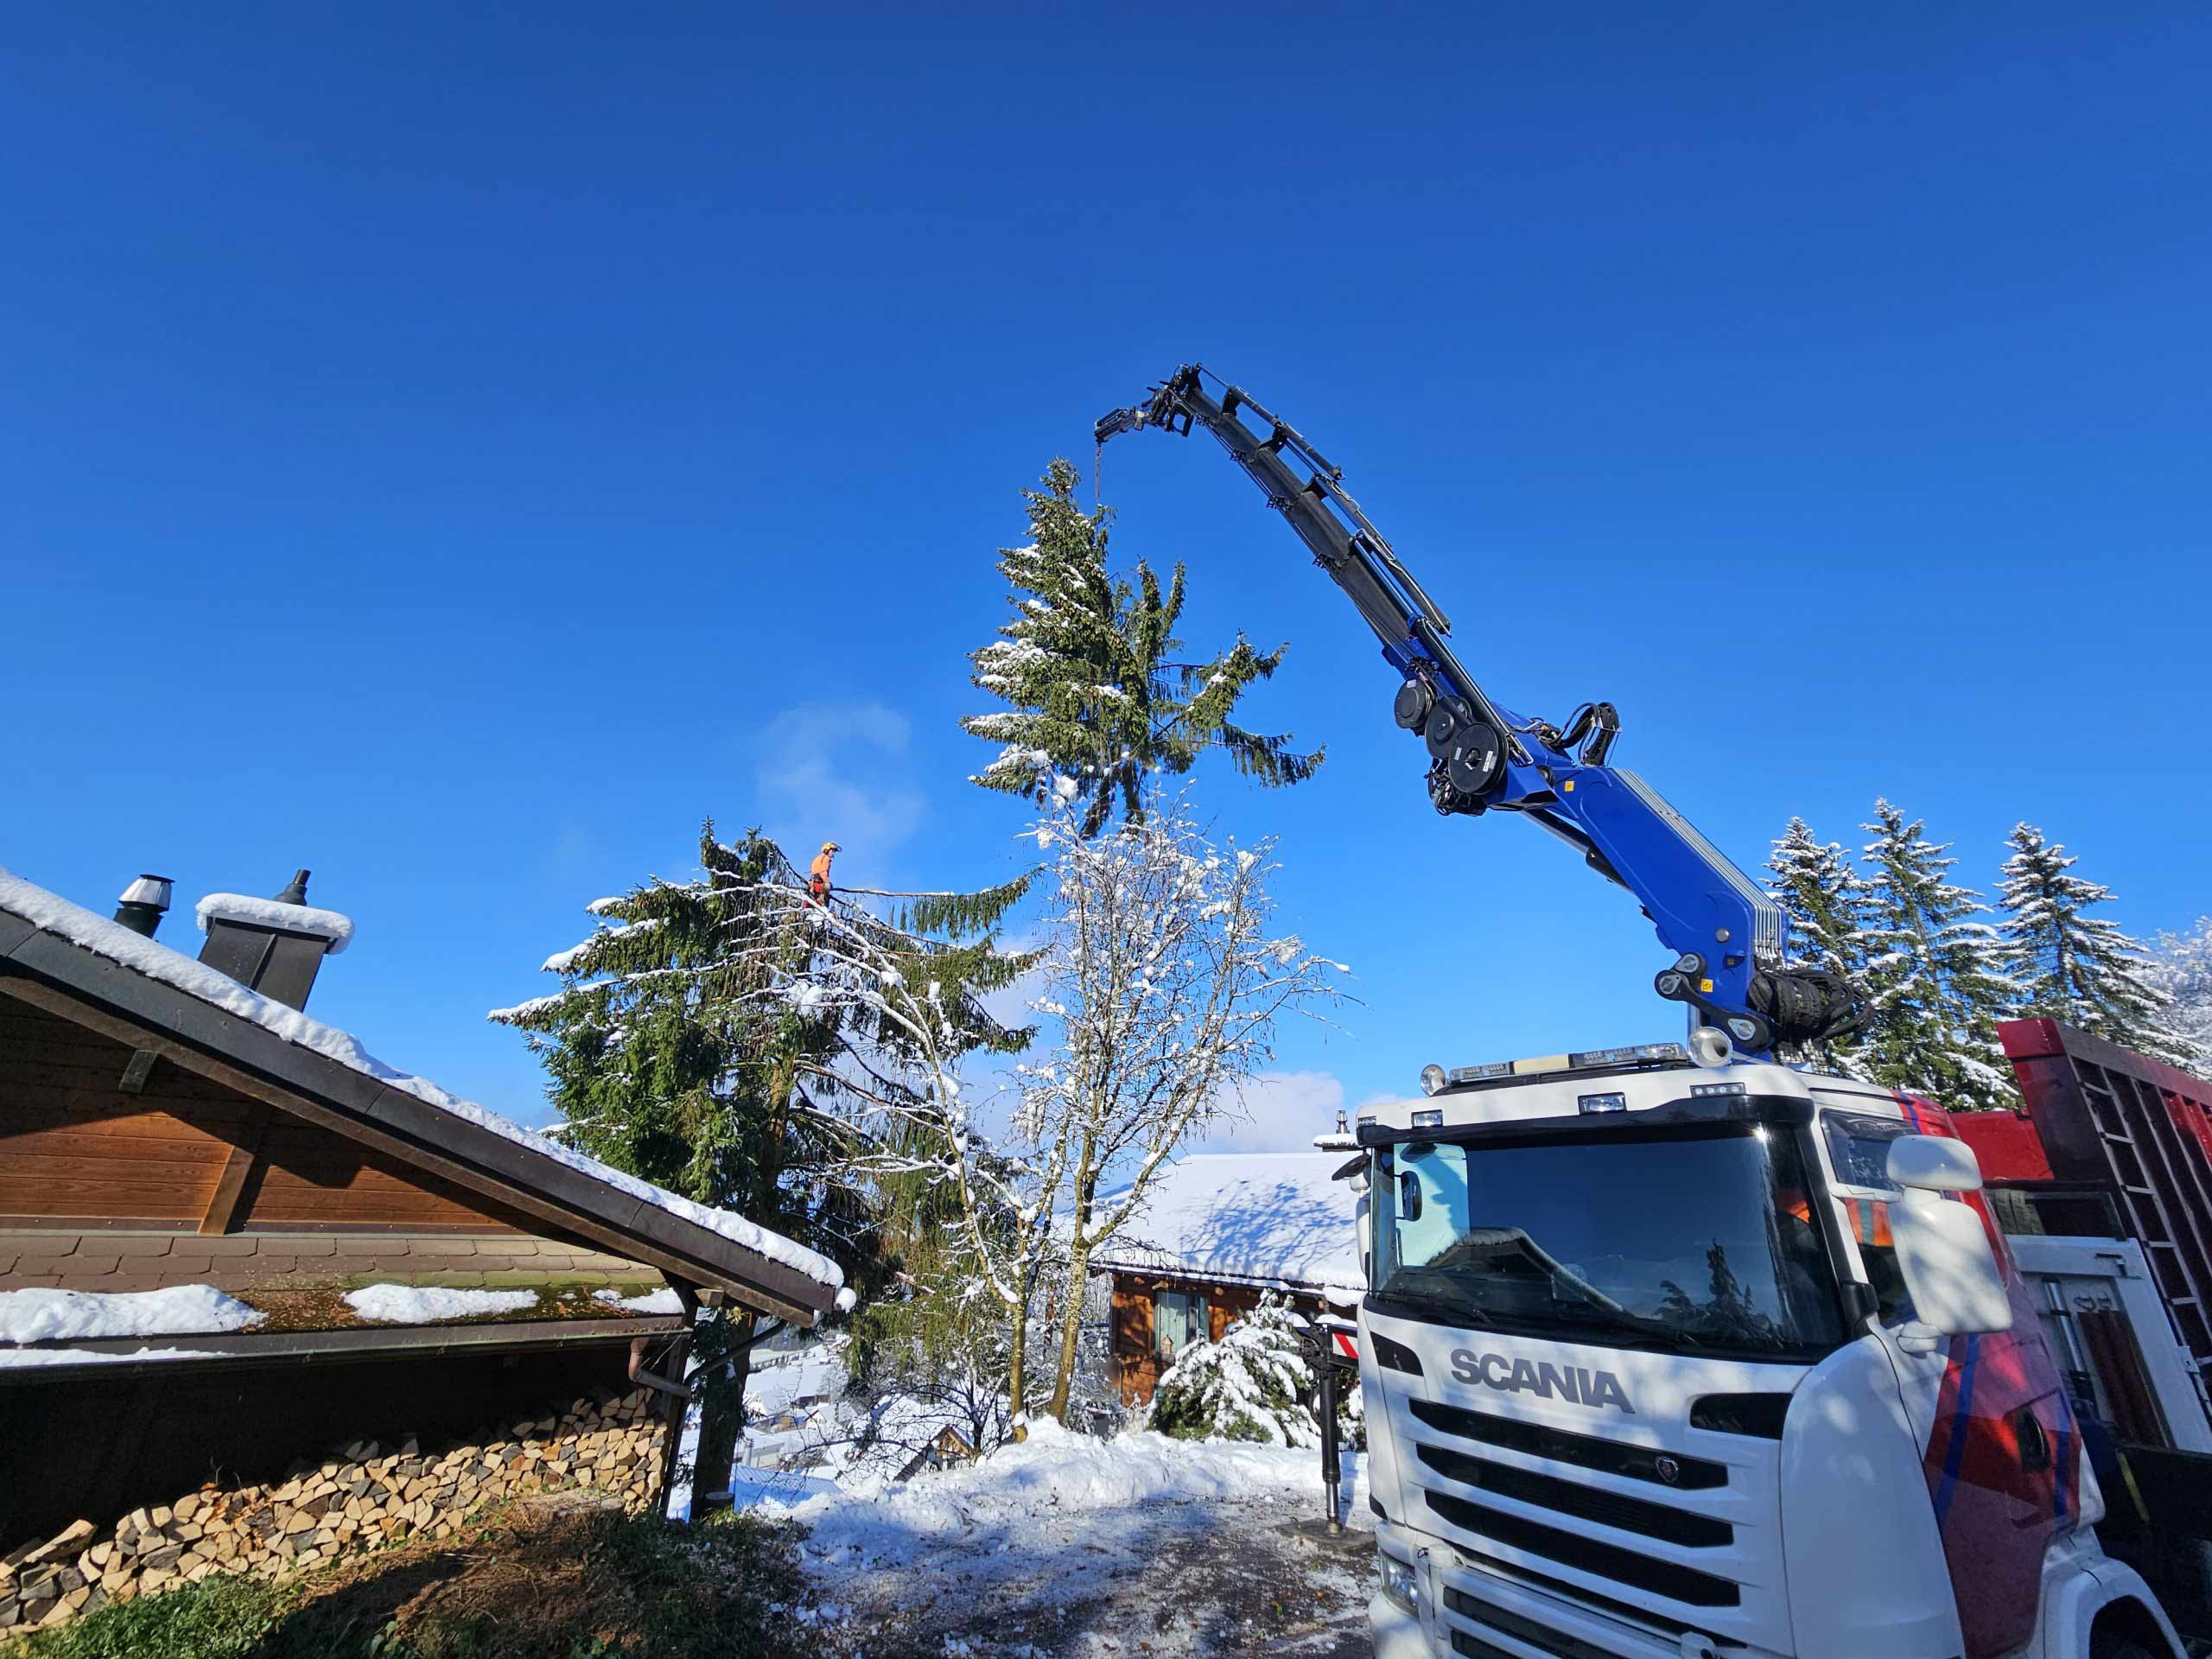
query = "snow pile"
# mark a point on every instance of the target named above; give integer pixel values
(1054, 1473)
(663, 1300)
(76, 1315)
(430, 1305)
(275, 913)
(117, 943)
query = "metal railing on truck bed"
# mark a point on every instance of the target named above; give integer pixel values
(2115, 1145)
(2118, 1126)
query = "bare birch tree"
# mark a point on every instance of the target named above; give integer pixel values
(1167, 986)
(990, 1213)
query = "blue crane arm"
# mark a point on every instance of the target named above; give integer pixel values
(1731, 942)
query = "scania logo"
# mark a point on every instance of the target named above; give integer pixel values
(1669, 1471)
(1568, 1382)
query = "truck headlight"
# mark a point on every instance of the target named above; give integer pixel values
(1399, 1582)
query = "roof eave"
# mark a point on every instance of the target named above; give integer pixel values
(213, 1042)
(333, 1347)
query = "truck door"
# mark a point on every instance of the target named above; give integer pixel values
(2002, 1458)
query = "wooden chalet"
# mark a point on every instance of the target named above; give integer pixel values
(166, 1122)
(1217, 1231)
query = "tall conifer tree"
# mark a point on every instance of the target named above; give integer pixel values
(1935, 973)
(690, 1044)
(1088, 662)
(2181, 970)
(2070, 965)
(1825, 900)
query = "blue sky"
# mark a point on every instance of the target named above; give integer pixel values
(460, 448)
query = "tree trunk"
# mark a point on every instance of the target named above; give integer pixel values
(1070, 1326)
(722, 1422)
(1017, 1364)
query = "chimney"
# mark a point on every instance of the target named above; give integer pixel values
(143, 904)
(1343, 1128)
(274, 946)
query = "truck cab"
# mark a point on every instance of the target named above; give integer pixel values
(1669, 1360)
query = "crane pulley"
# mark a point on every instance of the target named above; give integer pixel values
(1730, 940)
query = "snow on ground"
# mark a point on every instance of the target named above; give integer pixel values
(780, 1380)
(40, 1315)
(427, 1304)
(1069, 1547)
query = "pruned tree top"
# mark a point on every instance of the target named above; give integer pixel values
(1087, 662)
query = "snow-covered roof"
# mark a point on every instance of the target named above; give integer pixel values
(1267, 1219)
(52, 914)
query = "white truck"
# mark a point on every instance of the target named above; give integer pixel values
(1666, 1361)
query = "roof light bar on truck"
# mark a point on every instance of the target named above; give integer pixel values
(1434, 1079)
(1732, 968)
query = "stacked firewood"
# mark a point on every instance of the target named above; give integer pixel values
(362, 1496)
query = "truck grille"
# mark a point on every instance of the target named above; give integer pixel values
(1585, 1502)
(1650, 1541)
(1584, 1451)
(1553, 1642)
(1683, 1584)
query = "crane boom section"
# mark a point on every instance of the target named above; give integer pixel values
(1729, 940)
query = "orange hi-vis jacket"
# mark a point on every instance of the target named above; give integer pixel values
(817, 876)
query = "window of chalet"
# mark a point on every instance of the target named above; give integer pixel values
(1178, 1318)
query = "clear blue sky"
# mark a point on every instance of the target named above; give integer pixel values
(460, 448)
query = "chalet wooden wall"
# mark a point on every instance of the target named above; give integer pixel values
(77, 1146)
(1136, 1365)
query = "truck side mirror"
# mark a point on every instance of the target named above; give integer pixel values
(1943, 1250)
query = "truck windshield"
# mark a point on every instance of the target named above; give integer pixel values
(1697, 1239)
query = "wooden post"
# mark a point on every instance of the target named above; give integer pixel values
(223, 1207)
(679, 1356)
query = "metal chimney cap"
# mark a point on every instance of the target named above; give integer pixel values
(154, 892)
(295, 891)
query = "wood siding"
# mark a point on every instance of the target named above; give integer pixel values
(1137, 1366)
(78, 1146)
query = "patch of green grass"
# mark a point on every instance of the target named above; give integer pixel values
(224, 1617)
(522, 1584)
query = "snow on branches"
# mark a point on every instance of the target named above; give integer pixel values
(2180, 969)
(1166, 982)
(2071, 965)
(1251, 1385)
(1096, 703)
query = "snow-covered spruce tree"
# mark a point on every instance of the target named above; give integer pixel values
(684, 1047)
(1251, 1385)
(1825, 900)
(971, 1223)
(1087, 663)
(2180, 968)
(1935, 973)
(2070, 965)
(1165, 986)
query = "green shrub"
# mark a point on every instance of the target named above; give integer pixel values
(1248, 1386)
(221, 1618)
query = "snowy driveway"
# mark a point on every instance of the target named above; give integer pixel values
(1075, 1547)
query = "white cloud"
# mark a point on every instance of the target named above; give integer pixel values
(1279, 1111)
(838, 772)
